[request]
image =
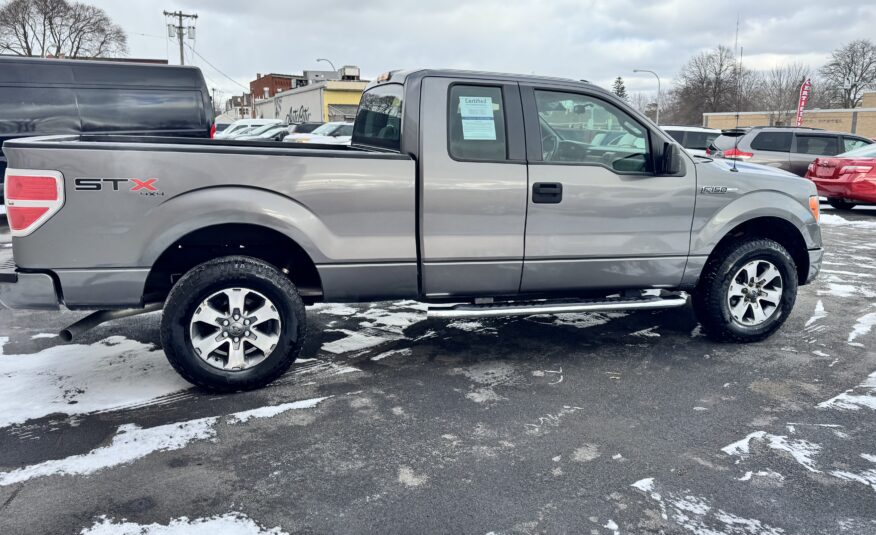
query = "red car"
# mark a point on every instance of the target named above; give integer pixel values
(847, 179)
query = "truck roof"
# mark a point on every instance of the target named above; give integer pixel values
(401, 76)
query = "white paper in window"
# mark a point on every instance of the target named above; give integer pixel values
(477, 118)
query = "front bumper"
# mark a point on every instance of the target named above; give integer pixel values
(815, 257)
(27, 290)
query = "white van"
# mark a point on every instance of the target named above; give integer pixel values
(237, 127)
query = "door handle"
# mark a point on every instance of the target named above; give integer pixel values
(547, 192)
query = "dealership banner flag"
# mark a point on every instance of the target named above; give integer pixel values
(805, 89)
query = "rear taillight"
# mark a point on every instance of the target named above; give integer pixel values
(708, 152)
(738, 154)
(213, 131)
(849, 169)
(32, 197)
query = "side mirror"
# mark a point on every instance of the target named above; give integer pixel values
(671, 163)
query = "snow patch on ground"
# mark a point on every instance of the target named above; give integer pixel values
(697, 515)
(402, 352)
(274, 410)
(861, 396)
(818, 314)
(863, 326)
(111, 374)
(581, 320)
(408, 478)
(132, 442)
(647, 333)
(585, 453)
(378, 324)
(801, 450)
(835, 220)
(228, 524)
(762, 473)
(43, 335)
(471, 327)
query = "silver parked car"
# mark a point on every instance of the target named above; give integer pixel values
(789, 148)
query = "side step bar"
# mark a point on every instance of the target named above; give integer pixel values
(527, 308)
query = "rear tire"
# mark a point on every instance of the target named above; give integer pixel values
(234, 323)
(746, 291)
(840, 204)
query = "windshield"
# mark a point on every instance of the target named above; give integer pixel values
(867, 151)
(378, 121)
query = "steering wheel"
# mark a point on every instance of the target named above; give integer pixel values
(552, 141)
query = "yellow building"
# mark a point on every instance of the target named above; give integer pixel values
(332, 100)
(861, 121)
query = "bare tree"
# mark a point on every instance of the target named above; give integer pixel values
(58, 27)
(850, 72)
(706, 83)
(780, 91)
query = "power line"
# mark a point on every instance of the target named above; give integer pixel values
(215, 68)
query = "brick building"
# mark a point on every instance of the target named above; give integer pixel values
(268, 85)
(861, 121)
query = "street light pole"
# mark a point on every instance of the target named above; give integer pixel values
(327, 61)
(657, 115)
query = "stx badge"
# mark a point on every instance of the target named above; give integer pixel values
(144, 186)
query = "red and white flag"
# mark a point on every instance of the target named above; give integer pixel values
(805, 89)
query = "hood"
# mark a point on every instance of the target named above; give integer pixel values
(751, 177)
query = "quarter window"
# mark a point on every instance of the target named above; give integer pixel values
(772, 141)
(817, 145)
(581, 129)
(476, 123)
(852, 143)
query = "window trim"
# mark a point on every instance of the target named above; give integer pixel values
(514, 143)
(533, 137)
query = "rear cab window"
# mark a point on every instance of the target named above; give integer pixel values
(699, 140)
(378, 120)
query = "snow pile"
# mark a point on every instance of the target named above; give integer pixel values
(835, 220)
(227, 524)
(111, 374)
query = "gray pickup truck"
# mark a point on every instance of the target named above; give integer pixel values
(480, 194)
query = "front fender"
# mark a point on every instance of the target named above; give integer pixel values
(712, 224)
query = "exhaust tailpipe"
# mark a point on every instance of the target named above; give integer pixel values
(101, 316)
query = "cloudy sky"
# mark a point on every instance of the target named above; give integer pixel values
(590, 39)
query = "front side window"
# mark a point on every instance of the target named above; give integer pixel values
(378, 120)
(817, 145)
(772, 141)
(476, 123)
(582, 129)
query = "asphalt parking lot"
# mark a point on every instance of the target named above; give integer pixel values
(392, 423)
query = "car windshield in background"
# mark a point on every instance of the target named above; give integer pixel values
(378, 121)
(867, 151)
(325, 130)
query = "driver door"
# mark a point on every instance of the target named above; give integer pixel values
(598, 215)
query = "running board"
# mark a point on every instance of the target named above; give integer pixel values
(527, 308)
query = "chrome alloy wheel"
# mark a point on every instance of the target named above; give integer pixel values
(235, 329)
(755, 293)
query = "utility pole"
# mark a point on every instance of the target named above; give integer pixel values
(178, 30)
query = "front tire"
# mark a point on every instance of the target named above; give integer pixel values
(234, 323)
(746, 291)
(840, 204)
